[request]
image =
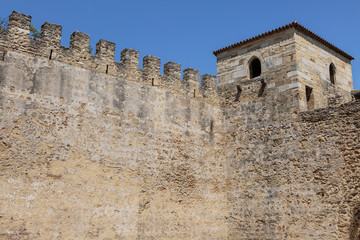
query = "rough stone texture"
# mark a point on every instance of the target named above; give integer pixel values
(296, 177)
(88, 155)
(313, 62)
(91, 148)
(291, 175)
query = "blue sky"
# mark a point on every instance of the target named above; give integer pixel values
(188, 31)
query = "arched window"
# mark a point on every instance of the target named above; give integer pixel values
(332, 72)
(255, 67)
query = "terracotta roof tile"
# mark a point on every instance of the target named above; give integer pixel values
(295, 25)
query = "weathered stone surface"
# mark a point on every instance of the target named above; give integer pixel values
(91, 148)
(291, 174)
(83, 167)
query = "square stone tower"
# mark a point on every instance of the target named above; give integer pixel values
(287, 61)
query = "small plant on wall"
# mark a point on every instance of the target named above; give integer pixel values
(34, 32)
(3, 23)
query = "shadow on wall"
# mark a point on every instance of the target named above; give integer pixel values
(355, 224)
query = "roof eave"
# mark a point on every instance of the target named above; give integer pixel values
(294, 25)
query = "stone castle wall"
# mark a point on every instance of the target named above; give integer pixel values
(291, 174)
(93, 154)
(254, 121)
(91, 148)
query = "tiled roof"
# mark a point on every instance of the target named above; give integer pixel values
(295, 25)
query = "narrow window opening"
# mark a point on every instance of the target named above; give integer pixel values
(107, 69)
(332, 72)
(51, 52)
(309, 98)
(211, 133)
(239, 90)
(152, 82)
(262, 88)
(308, 93)
(255, 68)
(194, 93)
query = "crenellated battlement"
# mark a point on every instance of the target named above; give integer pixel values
(17, 39)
